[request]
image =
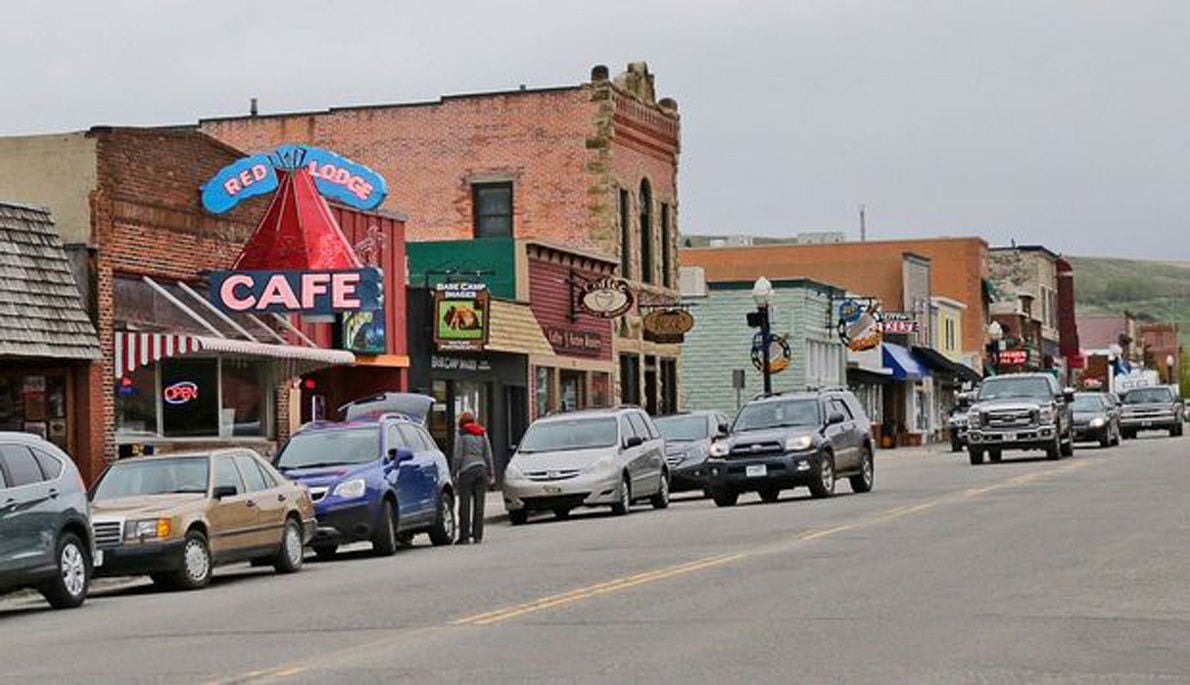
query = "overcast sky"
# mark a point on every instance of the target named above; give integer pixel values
(1065, 123)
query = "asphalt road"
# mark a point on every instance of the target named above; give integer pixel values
(1026, 571)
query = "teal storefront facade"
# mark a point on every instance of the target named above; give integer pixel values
(721, 342)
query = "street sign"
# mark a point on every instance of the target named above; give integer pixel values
(900, 323)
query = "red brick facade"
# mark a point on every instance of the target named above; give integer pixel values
(568, 152)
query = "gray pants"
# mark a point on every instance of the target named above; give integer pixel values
(473, 491)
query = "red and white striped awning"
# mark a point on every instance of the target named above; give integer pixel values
(135, 350)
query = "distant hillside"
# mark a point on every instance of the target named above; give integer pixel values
(1152, 290)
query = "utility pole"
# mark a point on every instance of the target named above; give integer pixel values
(863, 224)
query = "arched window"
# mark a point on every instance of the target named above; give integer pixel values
(646, 231)
(625, 234)
(666, 249)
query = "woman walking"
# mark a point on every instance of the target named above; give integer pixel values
(473, 473)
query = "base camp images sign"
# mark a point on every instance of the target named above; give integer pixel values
(336, 177)
(861, 327)
(461, 316)
(305, 292)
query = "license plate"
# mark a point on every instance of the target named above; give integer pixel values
(756, 471)
(551, 489)
(98, 561)
(1009, 437)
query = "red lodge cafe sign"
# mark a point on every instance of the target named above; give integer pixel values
(297, 259)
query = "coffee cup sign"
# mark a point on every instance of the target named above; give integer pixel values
(605, 298)
(668, 326)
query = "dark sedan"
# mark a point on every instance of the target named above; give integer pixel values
(1096, 418)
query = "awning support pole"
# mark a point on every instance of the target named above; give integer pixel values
(276, 336)
(187, 310)
(293, 329)
(215, 310)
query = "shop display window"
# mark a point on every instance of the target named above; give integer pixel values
(195, 398)
(136, 402)
(244, 395)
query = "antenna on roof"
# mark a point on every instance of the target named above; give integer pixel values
(252, 111)
(863, 223)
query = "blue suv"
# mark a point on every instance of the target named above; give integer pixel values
(376, 477)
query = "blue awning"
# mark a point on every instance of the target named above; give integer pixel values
(904, 366)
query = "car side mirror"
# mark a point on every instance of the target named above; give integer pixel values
(398, 455)
(633, 441)
(1068, 394)
(724, 430)
(834, 417)
(222, 491)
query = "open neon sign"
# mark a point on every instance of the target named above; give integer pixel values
(180, 392)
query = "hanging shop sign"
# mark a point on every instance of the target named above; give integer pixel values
(461, 316)
(900, 323)
(780, 353)
(569, 341)
(305, 292)
(860, 326)
(1013, 357)
(335, 176)
(605, 298)
(459, 364)
(364, 332)
(667, 326)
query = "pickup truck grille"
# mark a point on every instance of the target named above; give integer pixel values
(107, 534)
(757, 449)
(1009, 418)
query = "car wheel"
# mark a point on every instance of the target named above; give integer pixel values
(995, 456)
(975, 455)
(1105, 438)
(824, 483)
(196, 564)
(384, 540)
(68, 589)
(1053, 451)
(1067, 448)
(955, 445)
(769, 495)
(1129, 435)
(325, 552)
(867, 475)
(289, 558)
(661, 499)
(562, 513)
(725, 498)
(625, 504)
(518, 517)
(445, 525)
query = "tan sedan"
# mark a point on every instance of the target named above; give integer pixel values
(177, 516)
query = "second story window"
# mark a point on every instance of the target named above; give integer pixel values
(646, 232)
(666, 241)
(625, 234)
(492, 206)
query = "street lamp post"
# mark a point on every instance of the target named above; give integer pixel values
(1169, 369)
(996, 333)
(762, 293)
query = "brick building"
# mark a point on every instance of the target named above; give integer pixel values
(140, 242)
(885, 270)
(591, 166)
(1163, 350)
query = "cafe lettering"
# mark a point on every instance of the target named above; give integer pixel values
(307, 292)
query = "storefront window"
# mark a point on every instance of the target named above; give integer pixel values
(190, 397)
(573, 390)
(542, 390)
(600, 389)
(472, 396)
(244, 398)
(136, 402)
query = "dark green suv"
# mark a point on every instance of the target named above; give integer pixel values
(784, 441)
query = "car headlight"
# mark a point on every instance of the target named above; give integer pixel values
(513, 471)
(1098, 422)
(1046, 415)
(973, 419)
(720, 449)
(799, 443)
(158, 528)
(607, 463)
(351, 489)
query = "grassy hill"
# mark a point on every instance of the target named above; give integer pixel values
(1158, 291)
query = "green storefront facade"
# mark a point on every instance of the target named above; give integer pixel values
(721, 342)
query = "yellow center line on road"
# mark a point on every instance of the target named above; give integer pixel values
(580, 594)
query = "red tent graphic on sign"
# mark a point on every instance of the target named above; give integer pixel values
(297, 232)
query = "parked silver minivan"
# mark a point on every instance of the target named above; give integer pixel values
(591, 458)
